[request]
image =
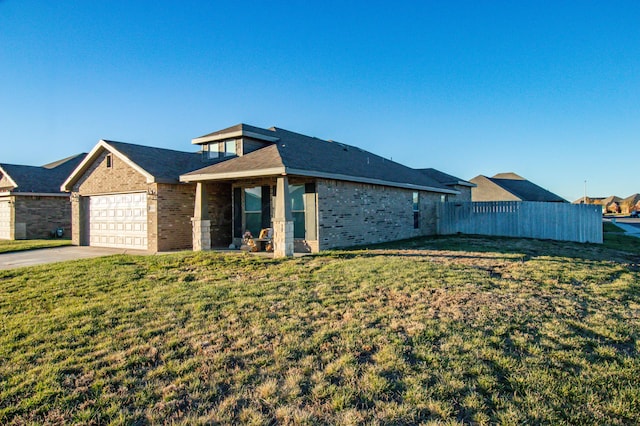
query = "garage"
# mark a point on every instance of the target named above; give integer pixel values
(118, 220)
(5, 220)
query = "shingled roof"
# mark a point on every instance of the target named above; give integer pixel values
(517, 187)
(163, 164)
(42, 180)
(296, 154)
(444, 178)
(156, 164)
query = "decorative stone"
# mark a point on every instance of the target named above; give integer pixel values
(282, 238)
(201, 234)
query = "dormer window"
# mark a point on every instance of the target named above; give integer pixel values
(222, 149)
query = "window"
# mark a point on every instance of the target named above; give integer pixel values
(226, 148)
(109, 161)
(296, 193)
(416, 210)
(253, 210)
(444, 198)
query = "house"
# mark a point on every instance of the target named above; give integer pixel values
(611, 204)
(510, 187)
(589, 200)
(31, 203)
(630, 204)
(314, 194)
(129, 196)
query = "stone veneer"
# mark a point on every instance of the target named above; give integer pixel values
(351, 214)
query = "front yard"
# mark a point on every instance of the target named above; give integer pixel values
(453, 330)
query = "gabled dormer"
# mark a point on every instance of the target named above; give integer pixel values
(233, 141)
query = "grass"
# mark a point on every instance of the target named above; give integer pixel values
(433, 331)
(7, 246)
(611, 227)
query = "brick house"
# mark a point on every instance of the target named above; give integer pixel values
(314, 194)
(31, 203)
(630, 204)
(510, 187)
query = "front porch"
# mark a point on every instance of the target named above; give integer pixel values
(227, 209)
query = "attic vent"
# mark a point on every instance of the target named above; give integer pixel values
(109, 161)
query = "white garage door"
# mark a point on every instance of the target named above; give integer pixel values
(5, 220)
(118, 220)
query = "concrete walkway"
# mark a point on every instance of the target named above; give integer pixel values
(19, 259)
(634, 231)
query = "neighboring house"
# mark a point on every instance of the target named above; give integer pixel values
(612, 204)
(129, 196)
(31, 203)
(314, 194)
(510, 187)
(630, 204)
(589, 200)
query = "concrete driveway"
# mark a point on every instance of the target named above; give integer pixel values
(630, 225)
(58, 254)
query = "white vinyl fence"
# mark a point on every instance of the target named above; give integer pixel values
(553, 221)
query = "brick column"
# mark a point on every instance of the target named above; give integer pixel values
(200, 221)
(76, 219)
(282, 221)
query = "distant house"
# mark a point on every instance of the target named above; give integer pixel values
(31, 202)
(510, 187)
(630, 204)
(612, 204)
(589, 200)
(313, 194)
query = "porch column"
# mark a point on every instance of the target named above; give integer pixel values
(200, 220)
(282, 220)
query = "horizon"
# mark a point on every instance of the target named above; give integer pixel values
(547, 90)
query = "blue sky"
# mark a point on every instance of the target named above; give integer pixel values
(547, 89)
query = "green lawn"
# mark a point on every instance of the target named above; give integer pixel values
(437, 330)
(20, 245)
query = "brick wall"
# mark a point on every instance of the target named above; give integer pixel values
(175, 205)
(37, 216)
(99, 179)
(352, 214)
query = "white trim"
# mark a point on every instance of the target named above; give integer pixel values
(369, 180)
(234, 134)
(133, 191)
(92, 156)
(4, 172)
(233, 175)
